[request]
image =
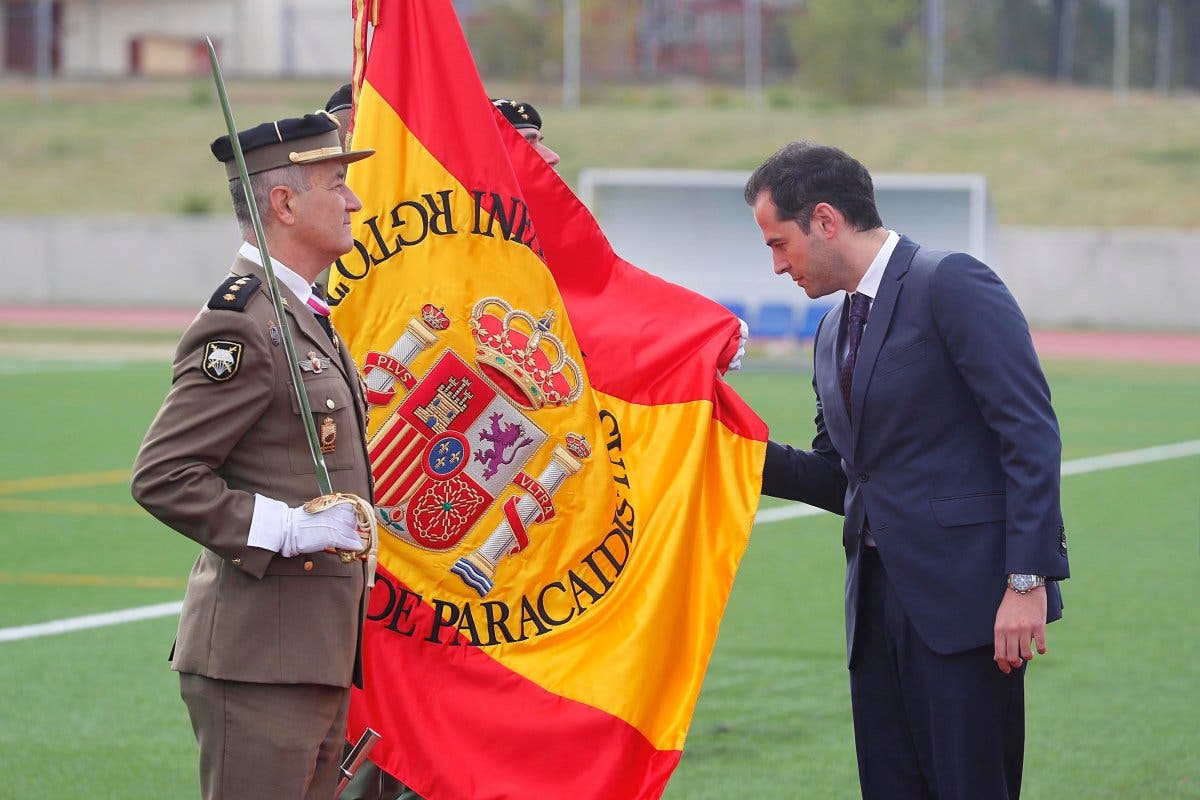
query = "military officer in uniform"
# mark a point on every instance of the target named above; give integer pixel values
(270, 633)
(528, 122)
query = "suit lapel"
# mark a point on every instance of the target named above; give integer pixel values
(835, 361)
(826, 358)
(878, 323)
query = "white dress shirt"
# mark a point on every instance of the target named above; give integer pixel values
(869, 285)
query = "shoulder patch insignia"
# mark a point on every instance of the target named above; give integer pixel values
(221, 359)
(234, 293)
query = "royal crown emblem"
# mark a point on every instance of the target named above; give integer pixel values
(578, 446)
(519, 356)
(435, 318)
(460, 437)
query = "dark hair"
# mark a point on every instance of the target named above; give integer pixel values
(801, 174)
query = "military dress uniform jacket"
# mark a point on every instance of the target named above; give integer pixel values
(230, 427)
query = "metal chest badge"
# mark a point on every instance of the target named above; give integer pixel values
(314, 363)
(463, 433)
(328, 435)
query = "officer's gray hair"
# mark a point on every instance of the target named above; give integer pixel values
(294, 176)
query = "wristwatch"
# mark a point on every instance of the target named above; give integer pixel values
(1024, 584)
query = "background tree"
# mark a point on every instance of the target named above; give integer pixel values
(860, 51)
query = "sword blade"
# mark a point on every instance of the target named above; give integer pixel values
(310, 429)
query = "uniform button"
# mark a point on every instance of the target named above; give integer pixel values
(308, 566)
(237, 562)
(863, 477)
(330, 404)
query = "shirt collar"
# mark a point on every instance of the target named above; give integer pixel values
(291, 280)
(869, 285)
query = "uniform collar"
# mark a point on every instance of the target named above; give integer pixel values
(298, 286)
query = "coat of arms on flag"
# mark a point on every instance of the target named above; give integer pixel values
(461, 435)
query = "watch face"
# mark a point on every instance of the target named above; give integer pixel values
(1021, 583)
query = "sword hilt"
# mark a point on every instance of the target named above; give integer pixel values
(355, 758)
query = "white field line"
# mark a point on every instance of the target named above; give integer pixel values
(43, 367)
(1132, 458)
(1079, 466)
(89, 621)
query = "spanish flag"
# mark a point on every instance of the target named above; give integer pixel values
(563, 481)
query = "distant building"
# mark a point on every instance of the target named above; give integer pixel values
(115, 38)
(702, 38)
(297, 38)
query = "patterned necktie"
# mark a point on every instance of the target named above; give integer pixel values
(860, 305)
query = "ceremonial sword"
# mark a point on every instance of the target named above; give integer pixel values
(359, 752)
(364, 513)
(324, 486)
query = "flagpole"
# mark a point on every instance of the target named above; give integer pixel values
(324, 486)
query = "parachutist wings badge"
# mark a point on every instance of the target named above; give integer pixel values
(461, 435)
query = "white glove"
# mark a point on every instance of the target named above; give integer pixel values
(310, 533)
(735, 363)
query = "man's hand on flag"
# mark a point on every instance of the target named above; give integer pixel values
(735, 363)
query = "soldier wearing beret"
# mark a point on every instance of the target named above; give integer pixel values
(528, 123)
(270, 633)
(341, 106)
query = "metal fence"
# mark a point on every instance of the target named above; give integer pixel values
(590, 47)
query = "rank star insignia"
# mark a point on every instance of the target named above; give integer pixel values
(221, 360)
(231, 297)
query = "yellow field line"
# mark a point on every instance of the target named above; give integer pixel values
(70, 507)
(49, 482)
(67, 579)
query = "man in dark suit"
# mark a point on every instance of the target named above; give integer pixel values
(270, 633)
(936, 439)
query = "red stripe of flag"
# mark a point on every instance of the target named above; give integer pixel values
(481, 713)
(613, 305)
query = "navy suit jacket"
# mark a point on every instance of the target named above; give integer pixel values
(950, 451)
